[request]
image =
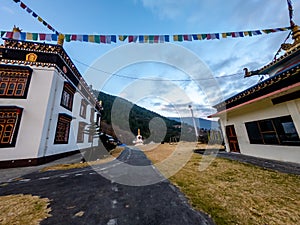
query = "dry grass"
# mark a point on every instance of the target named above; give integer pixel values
(157, 153)
(237, 193)
(23, 209)
(113, 154)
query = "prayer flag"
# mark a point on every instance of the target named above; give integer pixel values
(85, 38)
(2, 33)
(91, 38)
(34, 15)
(16, 35)
(97, 39)
(141, 38)
(122, 37)
(187, 37)
(79, 37)
(73, 37)
(35, 36)
(195, 37)
(151, 39)
(161, 38)
(40, 19)
(42, 37)
(29, 36)
(132, 38)
(23, 6)
(9, 35)
(68, 37)
(146, 38)
(49, 27)
(257, 32)
(28, 10)
(16, 1)
(114, 38)
(204, 36)
(23, 36)
(167, 38)
(54, 37)
(108, 39)
(103, 39)
(48, 37)
(156, 38)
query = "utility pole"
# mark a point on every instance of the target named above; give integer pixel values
(194, 122)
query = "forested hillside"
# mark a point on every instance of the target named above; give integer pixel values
(139, 118)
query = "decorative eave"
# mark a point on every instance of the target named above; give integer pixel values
(276, 82)
(15, 70)
(49, 55)
(284, 58)
(42, 48)
(292, 50)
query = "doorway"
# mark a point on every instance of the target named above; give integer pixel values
(232, 139)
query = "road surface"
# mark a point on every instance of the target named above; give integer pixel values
(127, 191)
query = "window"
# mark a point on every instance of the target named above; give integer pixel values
(275, 131)
(14, 84)
(83, 107)
(80, 134)
(67, 96)
(10, 118)
(62, 129)
(92, 115)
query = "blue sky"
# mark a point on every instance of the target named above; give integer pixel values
(225, 57)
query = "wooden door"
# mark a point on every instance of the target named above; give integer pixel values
(232, 139)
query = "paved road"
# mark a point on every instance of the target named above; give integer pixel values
(280, 166)
(126, 191)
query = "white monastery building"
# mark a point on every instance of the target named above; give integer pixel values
(45, 105)
(264, 120)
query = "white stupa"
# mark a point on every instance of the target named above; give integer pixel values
(139, 139)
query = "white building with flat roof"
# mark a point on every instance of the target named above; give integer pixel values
(264, 120)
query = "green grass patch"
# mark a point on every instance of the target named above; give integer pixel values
(238, 193)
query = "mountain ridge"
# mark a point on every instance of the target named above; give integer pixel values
(153, 126)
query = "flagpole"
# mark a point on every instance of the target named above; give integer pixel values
(291, 12)
(194, 122)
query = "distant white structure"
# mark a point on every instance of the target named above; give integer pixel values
(194, 122)
(45, 105)
(139, 139)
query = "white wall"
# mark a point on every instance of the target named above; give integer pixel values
(31, 125)
(263, 109)
(54, 108)
(39, 119)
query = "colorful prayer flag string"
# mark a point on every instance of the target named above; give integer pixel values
(30, 11)
(108, 39)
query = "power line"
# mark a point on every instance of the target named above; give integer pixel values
(134, 76)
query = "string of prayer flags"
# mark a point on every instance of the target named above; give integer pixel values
(108, 39)
(30, 11)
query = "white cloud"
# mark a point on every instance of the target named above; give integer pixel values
(7, 10)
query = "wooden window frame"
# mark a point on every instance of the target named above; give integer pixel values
(80, 134)
(275, 134)
(92, 115)
(83, 108)
(14, 85)
(10, 116)
(63, 126)
(69, 90)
